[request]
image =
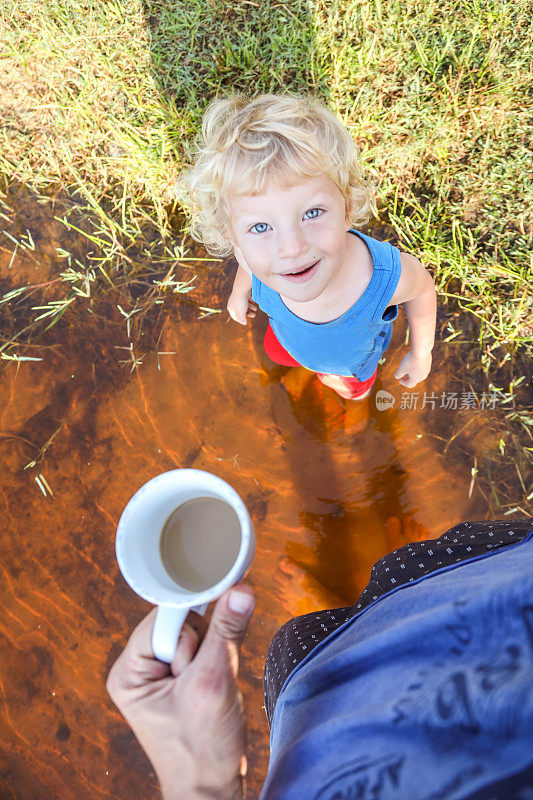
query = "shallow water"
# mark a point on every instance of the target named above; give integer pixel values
(315, 492)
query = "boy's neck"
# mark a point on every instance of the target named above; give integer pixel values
(344, 290)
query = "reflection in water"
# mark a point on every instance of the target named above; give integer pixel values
(316, 493)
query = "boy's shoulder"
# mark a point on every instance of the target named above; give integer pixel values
(384, 254)
(414, 279)
(411, 278)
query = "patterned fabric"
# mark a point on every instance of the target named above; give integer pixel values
(424, 694)
(295, 640)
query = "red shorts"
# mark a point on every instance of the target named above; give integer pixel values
(349, 388)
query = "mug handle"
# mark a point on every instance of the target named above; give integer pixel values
(167, 628)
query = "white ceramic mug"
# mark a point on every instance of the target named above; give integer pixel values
(138, 553)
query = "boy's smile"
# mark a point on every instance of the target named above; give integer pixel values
(292, 236)
(301, 275)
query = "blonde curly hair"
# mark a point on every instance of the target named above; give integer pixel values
(246, 143)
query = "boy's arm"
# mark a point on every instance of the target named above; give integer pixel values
(416, 292)
(240, 304)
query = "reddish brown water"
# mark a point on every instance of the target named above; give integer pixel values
(314, 491)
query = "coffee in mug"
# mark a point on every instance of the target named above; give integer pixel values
(200, 542)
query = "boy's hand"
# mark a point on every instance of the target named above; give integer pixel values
(240, 307)
(413, 369)
(188, 716)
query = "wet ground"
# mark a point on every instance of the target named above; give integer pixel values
(315, 491)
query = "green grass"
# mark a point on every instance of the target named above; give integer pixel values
(437, 95)
(106, 98)
(103, 101)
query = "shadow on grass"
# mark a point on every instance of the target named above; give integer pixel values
(199, 49)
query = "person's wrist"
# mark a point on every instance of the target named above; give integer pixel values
(193, 778)
(421, 353)
(176, 790)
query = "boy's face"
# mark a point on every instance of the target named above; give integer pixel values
(293, 236)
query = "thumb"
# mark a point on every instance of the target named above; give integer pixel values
(227, 627)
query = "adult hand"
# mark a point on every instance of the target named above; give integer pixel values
(189, 716)
(413, 368)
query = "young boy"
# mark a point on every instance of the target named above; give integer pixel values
(276, 183)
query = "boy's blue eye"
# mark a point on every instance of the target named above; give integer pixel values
(260, 227)
(313, 213)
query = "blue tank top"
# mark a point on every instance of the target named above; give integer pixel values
(353, 343)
